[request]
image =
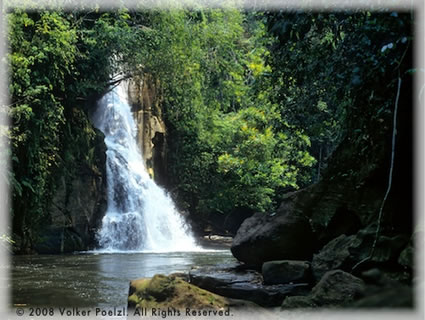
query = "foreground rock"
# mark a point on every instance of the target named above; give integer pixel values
(336, 288)
(234, 282)
(334, 255)
(285, 271)
(284, 235)
(386, 289)
(298, 302)
(397, 297)
(406, 256)
(344, 251)
(173, 292)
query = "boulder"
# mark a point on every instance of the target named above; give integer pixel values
(344, 251)
(386, 278)
(406, 257)
(235, 283)
(395, 297)
(285, 235)
(174, 293)
(222, 275)
(333, 255)
(298, 302)
(337, 288)
(285, 271)
(387, 248)
(340, 289)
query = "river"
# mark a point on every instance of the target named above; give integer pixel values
(95, 279)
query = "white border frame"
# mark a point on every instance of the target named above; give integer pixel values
(419, 160)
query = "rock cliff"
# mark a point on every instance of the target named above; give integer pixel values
(145, 99)
(77, 206)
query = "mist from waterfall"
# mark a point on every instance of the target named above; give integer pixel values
(140, 215)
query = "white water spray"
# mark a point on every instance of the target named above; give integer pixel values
(140, 215)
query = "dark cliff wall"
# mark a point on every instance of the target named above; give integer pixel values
(78, 205)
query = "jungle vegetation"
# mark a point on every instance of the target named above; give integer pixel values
(255, 102)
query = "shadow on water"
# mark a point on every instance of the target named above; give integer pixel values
(95, 279)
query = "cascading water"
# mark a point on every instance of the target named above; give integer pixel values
(140, 215)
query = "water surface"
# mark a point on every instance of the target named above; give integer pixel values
(95, 279)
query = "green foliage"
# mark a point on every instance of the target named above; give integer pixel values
(256, 159)
(57, 61)
(330, 69)
(42, 46)
(229, 146)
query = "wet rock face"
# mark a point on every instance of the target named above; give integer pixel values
(151, 131)
(77, 207)
(285, 235)
(60, 240)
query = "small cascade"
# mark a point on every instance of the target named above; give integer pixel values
(140, 215)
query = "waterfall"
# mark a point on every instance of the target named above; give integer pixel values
(140, 215)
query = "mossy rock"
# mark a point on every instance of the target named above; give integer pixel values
(171, 291)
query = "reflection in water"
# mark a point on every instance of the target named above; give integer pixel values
(95, 280)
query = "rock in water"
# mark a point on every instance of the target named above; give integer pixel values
(286, 235)
(244, 284)
(173, 293)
